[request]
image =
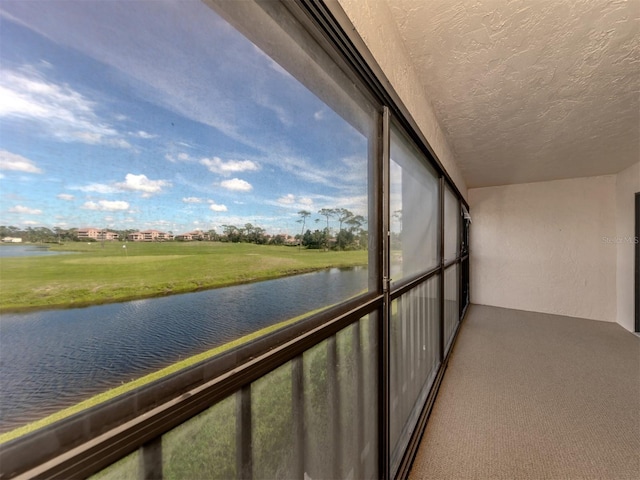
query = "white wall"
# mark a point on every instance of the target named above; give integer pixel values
(541, 247)
(627, 184)
(375, 25)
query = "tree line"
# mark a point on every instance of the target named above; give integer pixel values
(350, 234)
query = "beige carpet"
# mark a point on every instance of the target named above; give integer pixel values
(536, 396)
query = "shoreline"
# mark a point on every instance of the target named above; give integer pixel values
(196, 289)
(114, 392)
(102, 276)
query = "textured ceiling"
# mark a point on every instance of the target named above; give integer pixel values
(531, 90)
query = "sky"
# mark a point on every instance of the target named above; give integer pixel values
(160, 115)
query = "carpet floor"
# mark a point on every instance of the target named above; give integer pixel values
(535, 396)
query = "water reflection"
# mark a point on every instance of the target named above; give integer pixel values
(53, 359)
(7, 251)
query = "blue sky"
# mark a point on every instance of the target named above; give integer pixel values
(156, 114)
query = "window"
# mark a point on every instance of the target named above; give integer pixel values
(175, 156)
(452, 215)
(192, 246)
(413, 210)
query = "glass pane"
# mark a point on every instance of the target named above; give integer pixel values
(414, 359)
(125, 469)
(272, 425)
(369, 397)
(413, 210)
(340, 405)
(451, 225)
(204, 446)
(451, 305)
(151, 149)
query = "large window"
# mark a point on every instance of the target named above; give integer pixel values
(152, 153)
(201, 203)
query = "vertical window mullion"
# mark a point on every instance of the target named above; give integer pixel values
(244, 454)
(297, 411)
(384, 335)
(151, 460)
(441, 255)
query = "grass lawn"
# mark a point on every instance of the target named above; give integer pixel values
(107, 273)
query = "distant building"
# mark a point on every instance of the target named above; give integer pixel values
(11, 240)
(150, 236)
(97, 234)
(195, 235)
(291, 240)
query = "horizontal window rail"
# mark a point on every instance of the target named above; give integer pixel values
(405, 285)
(93, 439)
(452, 262)
(315, 416)
(410, 283)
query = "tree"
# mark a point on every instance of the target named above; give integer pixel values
(327, 212)
(343, 216)
(344, 239)
(355, 223)
(314, 240)
(277, 240)
(303, 219)
(233, 233)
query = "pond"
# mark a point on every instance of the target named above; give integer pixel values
(30, 250)
(55, 358)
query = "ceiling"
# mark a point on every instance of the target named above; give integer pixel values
(529, 90)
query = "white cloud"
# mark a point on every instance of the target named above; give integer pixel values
(30, 222)
(106, 205)
(116, 142)
(319, 115)
(59, 110)
(132, 183)
(218, 208)
(18, 163)
(192, 200)
(143, 134)
(96, 188)
(181, 157)
(236, 185)
(65, 196)
(25, 210)
(219, 166)
(290, 201)
(140, 183)
(264, 101)
(287, 199)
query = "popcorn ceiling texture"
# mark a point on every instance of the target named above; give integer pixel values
(525, 91)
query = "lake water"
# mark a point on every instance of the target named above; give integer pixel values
(55, 358)
(13, 250)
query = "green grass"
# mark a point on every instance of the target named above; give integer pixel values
(107, 273)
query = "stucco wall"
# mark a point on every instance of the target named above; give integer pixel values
(627, 184)
(375, 25)
(540, 247)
